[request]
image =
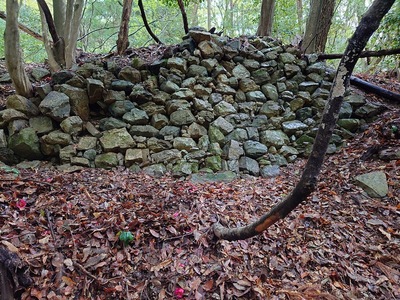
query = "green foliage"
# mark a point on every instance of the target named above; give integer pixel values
(174, 3)
(101, 20)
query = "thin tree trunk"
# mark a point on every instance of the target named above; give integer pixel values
(308, 181)
(146, 24)
(184, 16)
(13, 51)
(122, 42)
(24, 28)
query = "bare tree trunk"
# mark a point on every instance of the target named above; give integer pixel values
(266, 18)
(59, 16)
(13, 51)
(318, 25)
(209, 14)
(368, 25)
(146, 24)
(122, 42)
(74, 14)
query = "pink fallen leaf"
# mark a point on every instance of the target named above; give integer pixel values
(21, 204)
(179, 292)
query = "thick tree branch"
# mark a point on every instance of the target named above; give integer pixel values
(146, 24)
(368, 25)
(374, 89)
(363, 54)
(49, 20)
(23, 28)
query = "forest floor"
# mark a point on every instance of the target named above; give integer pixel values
(340, 244)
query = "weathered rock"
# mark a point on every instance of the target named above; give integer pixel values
(106, 160)
(41, 124)
(291, 127)
(136, 156)
(373, 183)
(136, 117)
(8, 115)
(25, 144)
(196, 131)
(119, 108)
(226, 176)
(143, 130)
(78, 99)
(184, 143)
(140, 94)
(158, 121)
(254, 149)
(86, 143)
(95, 90)
(167, 156)
(249, 166)
(72, 125)
(233, 150)
(182, 117)
(275, 138)
(57, 138)
(116, 139)
(351, 125)
(213, 163)
(56, 106)
(270, 171)
(22, 104)
(130, 74)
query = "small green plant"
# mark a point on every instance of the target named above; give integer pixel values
(125, 237)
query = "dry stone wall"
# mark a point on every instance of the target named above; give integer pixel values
(245, 105)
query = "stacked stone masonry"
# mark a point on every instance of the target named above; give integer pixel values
(244, 105)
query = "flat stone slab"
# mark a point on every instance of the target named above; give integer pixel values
(373, 183)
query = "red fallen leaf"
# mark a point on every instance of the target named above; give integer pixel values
(208, 285)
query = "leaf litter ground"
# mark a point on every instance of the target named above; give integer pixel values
(340, 244)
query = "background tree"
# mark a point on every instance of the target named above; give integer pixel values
(368, 25)
(318, 24)
(266, 18)
(122, 42)
(13, 52)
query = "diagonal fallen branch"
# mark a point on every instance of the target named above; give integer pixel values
(308, 181)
